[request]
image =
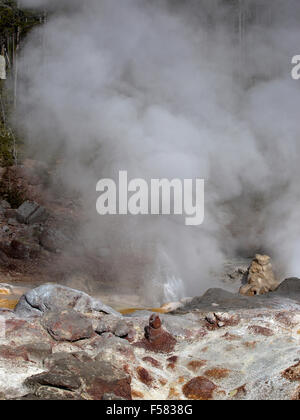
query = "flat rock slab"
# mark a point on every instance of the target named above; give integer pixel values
(30, 213)
(82, 376)
(286, 296)
(67, 325)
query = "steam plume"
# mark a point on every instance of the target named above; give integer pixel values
(177, 90)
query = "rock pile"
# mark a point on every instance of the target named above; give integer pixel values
(260, 277)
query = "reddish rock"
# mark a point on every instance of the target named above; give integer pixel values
(157, 339)
(155, 363)
(172, 362)
(155, 322)
(195, 365)
(173, 359)
(11, 353)
(83, 376)
(292, 373)
(199, 388)
(21, 332)
(34, 352)
(67, 325)
(144, 376)
(217, 373)
(256, 329)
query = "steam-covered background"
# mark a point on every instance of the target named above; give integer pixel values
(184, 89)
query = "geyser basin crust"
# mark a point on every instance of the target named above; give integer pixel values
(247, 352)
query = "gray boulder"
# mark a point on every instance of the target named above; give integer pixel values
(114, 325)
(31, 213)
(53, 297)
(55, 240)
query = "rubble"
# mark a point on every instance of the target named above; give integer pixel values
(67, 350)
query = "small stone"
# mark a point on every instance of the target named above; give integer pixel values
(122, 330)
(199, 388)
(211, 318)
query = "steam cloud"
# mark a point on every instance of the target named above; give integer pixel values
(173, 89)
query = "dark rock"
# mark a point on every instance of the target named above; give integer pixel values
(4, 205)
(10, 214)
(21, 249)
(289, 288)
(4, 261)
(84, 377)
(221, 300)
(53, 297)
(113, 325)
(67, 325)
(49, 393)
(12, 222)
(30, 213)
(57, 379)
(55, 240)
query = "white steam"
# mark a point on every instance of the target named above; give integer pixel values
(176, 90)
